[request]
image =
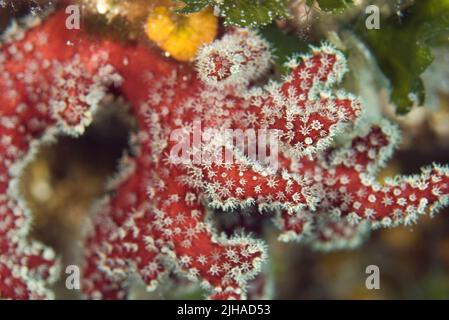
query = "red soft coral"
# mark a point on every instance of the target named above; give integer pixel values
(154, 219)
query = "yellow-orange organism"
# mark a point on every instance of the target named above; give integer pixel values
(181, 35)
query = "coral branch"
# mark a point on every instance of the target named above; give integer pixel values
(238, 58)
(229, 186)
(353, 201)
(302, 107)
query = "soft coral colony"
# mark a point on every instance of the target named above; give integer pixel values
(157, 217)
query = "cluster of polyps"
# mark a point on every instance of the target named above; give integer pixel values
(157, 217)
